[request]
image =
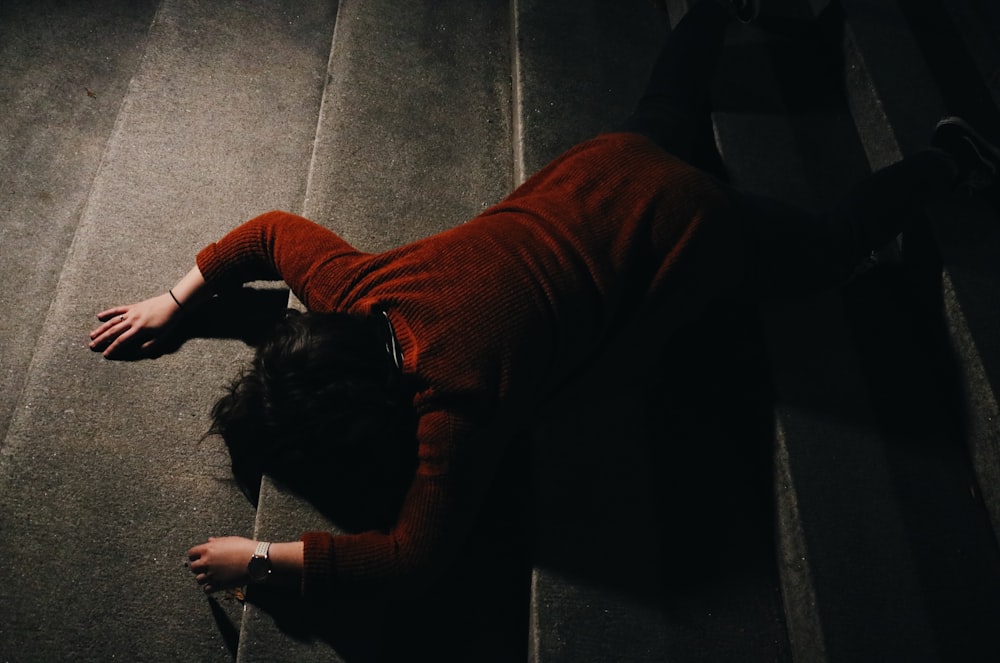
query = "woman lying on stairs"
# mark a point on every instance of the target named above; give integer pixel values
(412, 367)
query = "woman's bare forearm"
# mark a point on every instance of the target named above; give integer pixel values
(191, 290)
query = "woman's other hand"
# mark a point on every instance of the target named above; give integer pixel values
(221, 562)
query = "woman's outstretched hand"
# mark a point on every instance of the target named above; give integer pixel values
(144, 323)
(134, 325)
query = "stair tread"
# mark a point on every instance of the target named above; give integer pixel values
(413, 138)
(104, 481)
(63, 73)
(140, 139)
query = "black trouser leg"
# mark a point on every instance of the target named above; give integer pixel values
(788, 249)
(674, 109)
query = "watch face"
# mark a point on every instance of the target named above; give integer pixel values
(259, 569)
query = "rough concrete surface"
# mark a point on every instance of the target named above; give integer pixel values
(414, 136)
(104, 479)
(63, 73)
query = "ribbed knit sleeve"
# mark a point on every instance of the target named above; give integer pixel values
(318, 564)
(281, 246)
(425, 534)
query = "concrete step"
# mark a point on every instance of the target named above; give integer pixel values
(886, 549)
(950, 69)
(974, 23)
(947, 468)
(875, 476)
(63, 73)
(590, 597)
(784, 131)
(579, 67)
(104, 478)
(415, 132)
(413, 138)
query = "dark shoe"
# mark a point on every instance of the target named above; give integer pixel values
(746, 10)
(977, 159)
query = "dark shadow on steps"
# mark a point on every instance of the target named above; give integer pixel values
(707, 419)
(918, 390)
(711, 432)
(948, 56)
(478, 611)
(229, 631)
(805, 56)
(655, 498)
(709, 445)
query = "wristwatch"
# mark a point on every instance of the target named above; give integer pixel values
(259, 569)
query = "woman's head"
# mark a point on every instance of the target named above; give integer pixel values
(322, 409)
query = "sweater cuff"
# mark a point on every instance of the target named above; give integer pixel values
(318, 564)
(209, 265)
(241, 255)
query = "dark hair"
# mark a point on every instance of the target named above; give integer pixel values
(322, 409)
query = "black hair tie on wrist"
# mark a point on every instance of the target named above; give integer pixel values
(174, 297)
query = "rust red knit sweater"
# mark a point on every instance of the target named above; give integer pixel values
(492, 316)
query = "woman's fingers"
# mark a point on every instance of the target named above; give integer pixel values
(201, 568)
(112, 346)
(102, 329)
(109, 331)
(109, 337)
(122, 337)
(112, 312)
(109, 319)
(205, 581)
(198, 567)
